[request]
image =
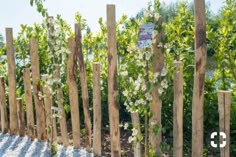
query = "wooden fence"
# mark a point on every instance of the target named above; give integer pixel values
(15, 123)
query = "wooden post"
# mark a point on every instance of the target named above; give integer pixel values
(29, 104)
(178, 109)
(199, 77)
(48, 101)
(21, 117)
(97, 114)
(224, 101)
(136, 124)
(11, 81)
(73, 93)
(39, 106)
(112, 82)
(60, 99)
(4, 120)
(156, 105)
(48, 111)
(83, 80)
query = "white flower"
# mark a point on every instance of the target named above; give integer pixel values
(134, 132)
(57, 48)
(164, 72)
(147, 13)
(140, 102)
(148, 96)
(58, 42)
(125, 93)
(126, 126)
(57, 109)
(160, 45)
(164, 84)
(153, 123)
(124, 73)
(160, 90)
(154, 34)
(135, 92)
(40, 95)
(68, 51)
(155, 76)
(142, 64)
(140, 56)
(130, 139)
(157, 16)
(148, 55)
(50, 20)
(131, 79)
(144, 88)
(136, 88)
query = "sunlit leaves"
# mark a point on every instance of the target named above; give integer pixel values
(40, 7)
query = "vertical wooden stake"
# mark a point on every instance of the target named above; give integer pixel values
(50, 112)
(156, 105)
(136, 124)
(97, 113)
(112, 82)
(224, 101)
(29, 104)
(39, 106)
(73, 93)
(11, 81)
(83, 80)
(199, 78)
(21, 117)
(60, 99)
(178, 109)
(48, 101)
(47, 104)
(4, 120)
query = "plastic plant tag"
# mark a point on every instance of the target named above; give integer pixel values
(145, 35)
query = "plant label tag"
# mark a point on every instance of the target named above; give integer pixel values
(145, 35)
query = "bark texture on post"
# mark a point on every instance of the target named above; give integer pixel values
(178, 109)
(136, 124)
(60, 100)
(50, 120)
(199, 77)
(73, 93)
(112, 83)
(29, 104)
(83, 80)
(4, 120)
(97, 111)
(224, 101)
(21, 117)
(46, 106)
(11, 81)
(39, 106)
(156, 105)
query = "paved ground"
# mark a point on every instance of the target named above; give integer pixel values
(15, 146)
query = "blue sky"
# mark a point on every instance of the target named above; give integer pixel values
(16, 12)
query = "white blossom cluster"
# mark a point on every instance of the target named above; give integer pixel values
(149, 12)
(134, 135)
(137, 91)
(56, 41)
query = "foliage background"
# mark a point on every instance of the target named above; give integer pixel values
(179, 45)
